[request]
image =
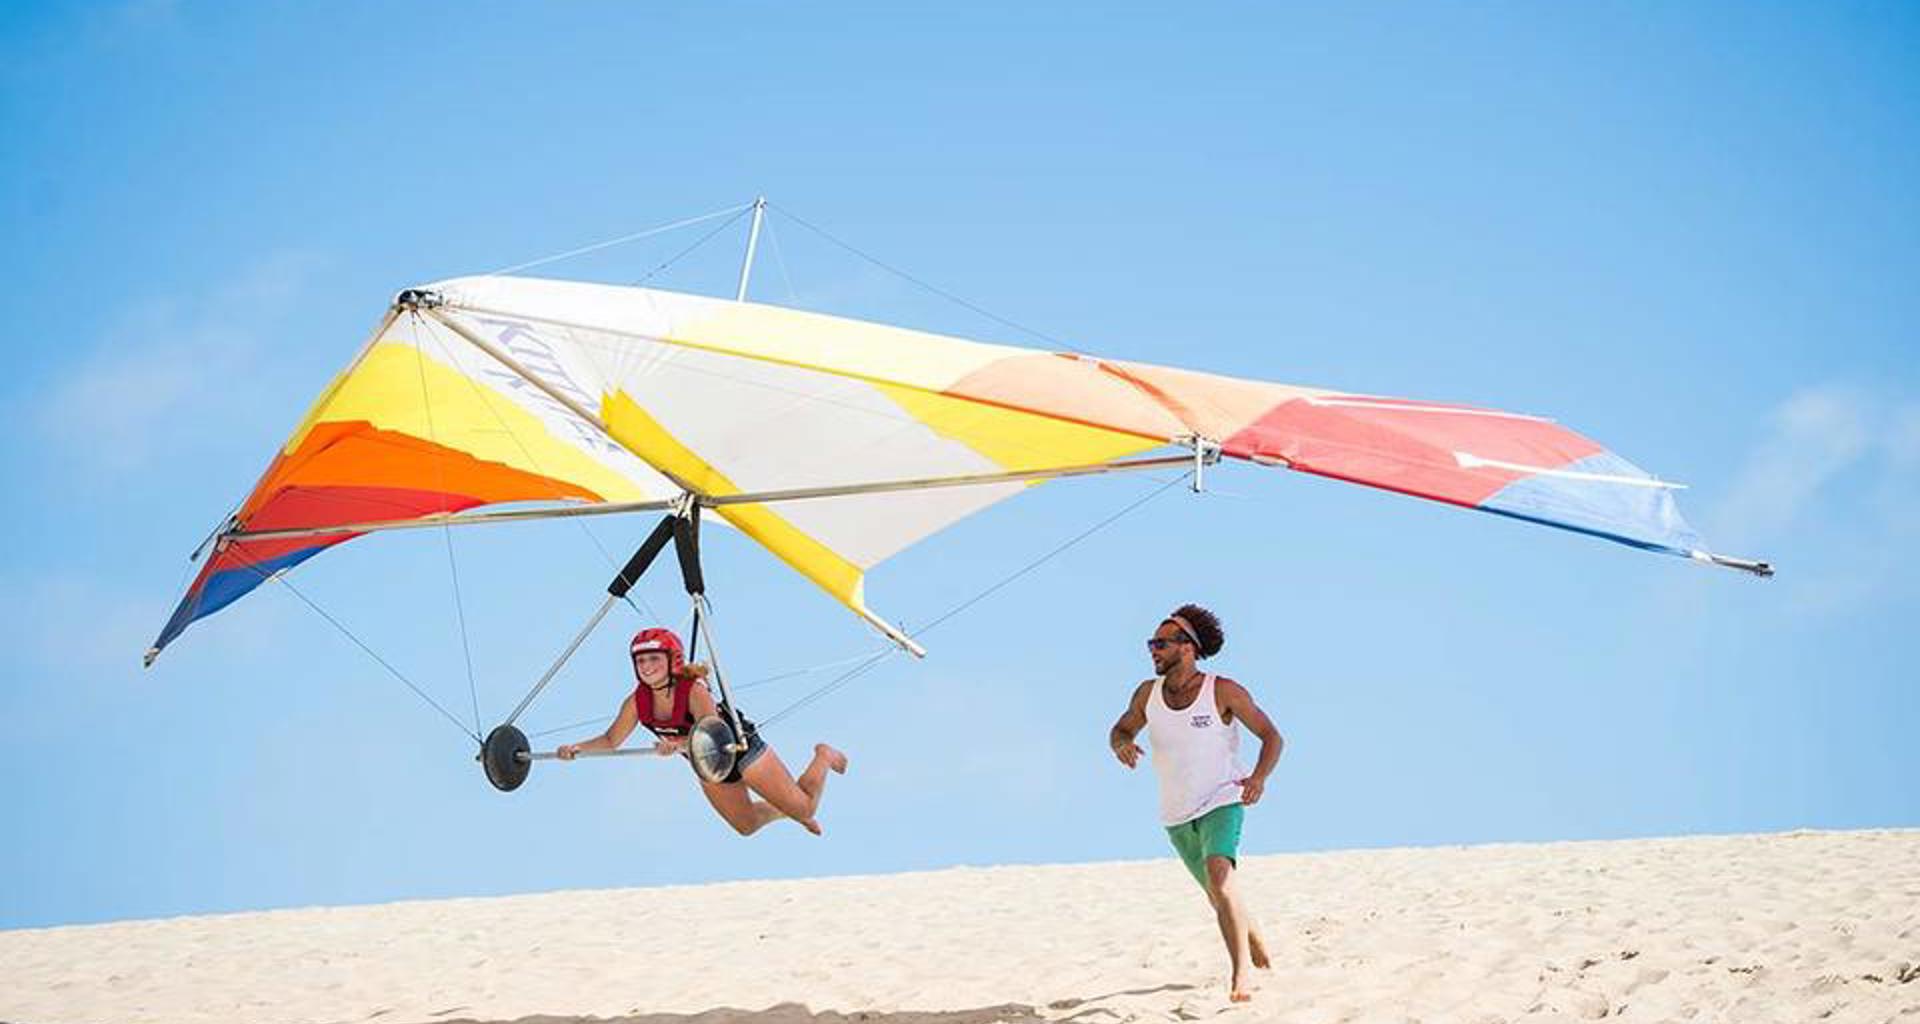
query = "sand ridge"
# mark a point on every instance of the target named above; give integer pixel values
(1802, 926)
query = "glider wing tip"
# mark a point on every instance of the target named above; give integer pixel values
(1751, 566)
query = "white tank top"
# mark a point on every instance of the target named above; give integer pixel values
(1196, 755)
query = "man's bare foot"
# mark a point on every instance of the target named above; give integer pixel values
(1257, 952)
(835, 759)
(1238, 991)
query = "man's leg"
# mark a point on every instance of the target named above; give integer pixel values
(1220, 843)
(1232, 917)
(1212, 840)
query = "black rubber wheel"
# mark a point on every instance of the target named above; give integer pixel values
(500, 756)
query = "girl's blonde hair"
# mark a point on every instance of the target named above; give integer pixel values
(696, 671)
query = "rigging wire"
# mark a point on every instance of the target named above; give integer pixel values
(943, 293)
(569, 727)
(281, 578)
(446, 532)
(704, 239)
(779, 677)
(780, 261)
(868, 665)
(622, 240)
(460, 610)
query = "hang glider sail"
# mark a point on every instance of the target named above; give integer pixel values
(835, 443)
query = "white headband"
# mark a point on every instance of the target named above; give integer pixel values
(1187, 628)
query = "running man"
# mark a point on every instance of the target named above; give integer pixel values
(1190, 717)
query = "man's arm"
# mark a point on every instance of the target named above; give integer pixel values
(1234, 699)
(1120, 738)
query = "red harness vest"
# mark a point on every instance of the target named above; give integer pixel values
(679, 721)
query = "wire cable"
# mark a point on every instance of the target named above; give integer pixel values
(446, 532)
(780, 261)
(281, 578)
(704, 239)
(861, 669)
(622, 240)
(943, 293)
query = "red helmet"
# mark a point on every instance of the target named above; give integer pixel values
(659, 639)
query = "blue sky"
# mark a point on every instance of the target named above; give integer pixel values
(1689, 231)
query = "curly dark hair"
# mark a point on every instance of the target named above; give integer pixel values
(1208, 636)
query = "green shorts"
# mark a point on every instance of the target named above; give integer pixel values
(1213, 834)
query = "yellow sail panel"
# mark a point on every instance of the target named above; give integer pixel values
(647, 438)
(1015, 440)
(402, 390)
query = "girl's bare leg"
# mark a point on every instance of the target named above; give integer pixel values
(813, 781)
(799, 800)
(745, 814)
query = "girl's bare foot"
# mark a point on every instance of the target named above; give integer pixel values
(1257, 952)
(835, 759)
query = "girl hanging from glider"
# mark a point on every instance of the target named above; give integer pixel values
(671, 696)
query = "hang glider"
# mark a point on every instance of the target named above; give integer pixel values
(835, 443)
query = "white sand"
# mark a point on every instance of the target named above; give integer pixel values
(1796, 927)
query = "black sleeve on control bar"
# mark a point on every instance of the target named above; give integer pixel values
(686, 543)
(636, 566)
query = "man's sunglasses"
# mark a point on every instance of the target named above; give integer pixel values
(1157, 644)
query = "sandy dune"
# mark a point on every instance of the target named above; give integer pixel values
(1796, 927)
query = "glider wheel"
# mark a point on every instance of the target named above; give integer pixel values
(710, 748)
(504, 756)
